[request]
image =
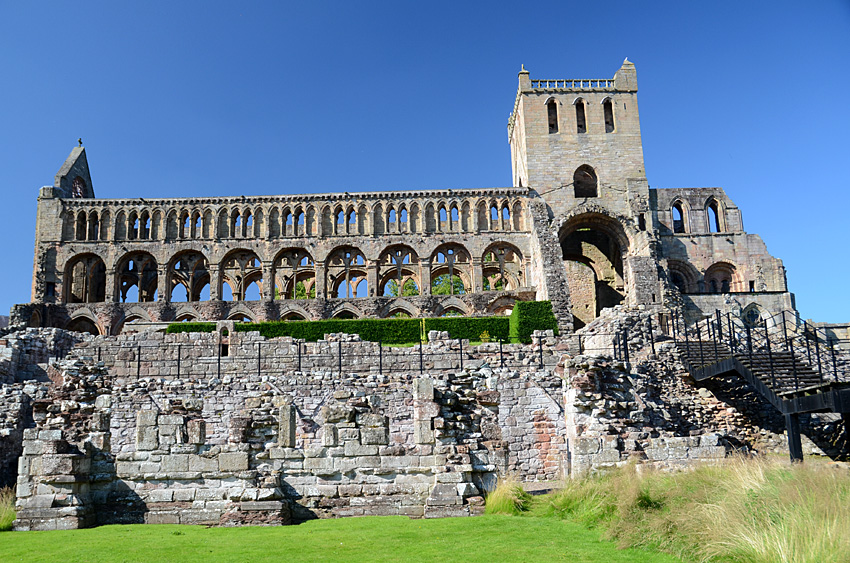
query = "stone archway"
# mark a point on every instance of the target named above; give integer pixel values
(594, 247)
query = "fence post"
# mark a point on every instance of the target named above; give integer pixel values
(460, 351)
(501, 356)
(98, 353)
(685, 330)
(339, 357)
(731, 333)
(785, 332)
(699, 340)
(817, 353)
(179, 347)
(651, 336)
(715, 336)
(626, 343)
(540, 349)
(138, 361)
(806, 338)
(770, 356)
(832, 352)
(218, 364)
(299, 354)
(719, 325)
(380, 358)
(259, 356)
(421, 362)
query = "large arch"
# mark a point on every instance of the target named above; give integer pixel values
(721, 277)
(84, 321)
(189, 269)
(451, 270)
(594, 247)
(347, 273)
(239, 270)
(294, 274)
(684, 276)
(398, 272)
(136, 277)
(85, 279)
(502, 267)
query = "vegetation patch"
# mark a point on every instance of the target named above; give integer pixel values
(743, 510)
(528, 316)
(7, 509)
(508, 498)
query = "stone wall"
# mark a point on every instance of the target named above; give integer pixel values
(274, 445)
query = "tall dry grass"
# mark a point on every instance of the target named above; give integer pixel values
(744, 510)
(507, 498)
(7, 509)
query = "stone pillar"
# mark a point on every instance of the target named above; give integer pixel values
(477, 274)
(425, 277)
(424, 410)
(321, 280)
(112, 291)
(215, 282)
(286, 429)
(163, 291)
(268, 282)
(372, 278)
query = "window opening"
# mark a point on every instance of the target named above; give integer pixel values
(552, 110)
(608, 111)
(678, 219)
(581, 120)
(585, 182)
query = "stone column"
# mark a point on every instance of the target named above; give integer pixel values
(321, 280)
(268, 282)
(113, 292)
(372, 278)
(425, 277)
(162, 290)
(215, 282)
(477, 274)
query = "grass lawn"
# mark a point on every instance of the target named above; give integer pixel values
(491, 538)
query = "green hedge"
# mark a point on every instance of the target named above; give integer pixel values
(528, 316)
(471, 327)
(190, 327)
(389, 331)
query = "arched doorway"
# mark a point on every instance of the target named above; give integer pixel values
(593, 247)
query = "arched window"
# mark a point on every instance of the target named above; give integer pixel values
(712, 211)
(552, 112)
(585, 182)
(678, 218)
(608, 112)
(581, 120)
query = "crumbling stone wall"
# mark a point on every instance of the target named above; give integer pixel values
(278, 445)
(650, 410)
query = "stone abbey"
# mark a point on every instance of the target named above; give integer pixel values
(678, 341)
(579, 226)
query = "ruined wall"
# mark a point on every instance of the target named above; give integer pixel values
(225, 442)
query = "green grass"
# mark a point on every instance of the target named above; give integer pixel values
(753, 511)
(391, 538)
(7, 509)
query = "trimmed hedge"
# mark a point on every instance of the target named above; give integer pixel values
(190, 327)
(389, 331)
(528, 316)
(471, 327)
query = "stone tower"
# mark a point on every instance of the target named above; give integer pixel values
(577, 144)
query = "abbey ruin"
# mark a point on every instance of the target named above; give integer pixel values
(108, 419)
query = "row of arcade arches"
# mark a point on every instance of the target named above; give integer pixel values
(293, 274)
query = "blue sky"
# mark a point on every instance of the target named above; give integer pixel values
(214, 98)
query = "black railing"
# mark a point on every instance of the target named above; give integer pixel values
(789, 351)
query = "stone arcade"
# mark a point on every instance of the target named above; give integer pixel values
(134, 425)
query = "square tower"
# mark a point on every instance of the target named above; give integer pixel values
(578, 141)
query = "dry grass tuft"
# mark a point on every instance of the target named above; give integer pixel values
(743, 510)
(508, 498)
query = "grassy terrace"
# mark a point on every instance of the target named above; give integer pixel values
(487, 539)
(740, 511)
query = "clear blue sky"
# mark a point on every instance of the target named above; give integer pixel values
(214, 98)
